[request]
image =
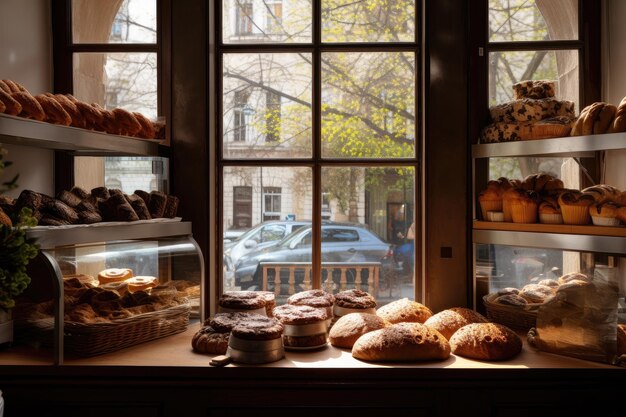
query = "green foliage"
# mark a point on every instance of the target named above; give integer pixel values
(16, 251)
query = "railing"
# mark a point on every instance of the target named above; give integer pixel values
(346, 269)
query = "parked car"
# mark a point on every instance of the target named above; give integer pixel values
(260, 236)
(340, 243)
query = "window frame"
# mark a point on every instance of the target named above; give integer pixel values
(316, 162)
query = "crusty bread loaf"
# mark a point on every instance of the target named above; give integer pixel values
(404, 310)
(486, 341)
(402, 342)
(350, 327)
(447, 322)
(604, 119)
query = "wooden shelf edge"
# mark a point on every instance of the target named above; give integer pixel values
(587, 230)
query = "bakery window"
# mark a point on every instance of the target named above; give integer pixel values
(112, 57)
(319, 125)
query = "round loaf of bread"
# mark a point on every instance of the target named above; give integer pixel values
(447, 322)
(208, 340)
(508, 290)
(536, 293)
(402, 342)
(511, 300)
(404, 310)
(486, 341)
(350, 327)
(573, 276)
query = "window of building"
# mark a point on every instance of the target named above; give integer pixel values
(243, 19)
(242, 207)
(114, 53)
(332, 132)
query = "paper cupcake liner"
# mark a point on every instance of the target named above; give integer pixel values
(605, 221)
(521, 213)
(495, 216)
(575, 214)
(506, 210)
(550, 218)
(490, 205)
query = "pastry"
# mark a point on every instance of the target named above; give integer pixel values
(121, 287)
(548, 282)
(490, 199)
(208, 340)
(447, 322)
(126, 122)
(14, 86)
(486, 341)
(92, 116)
(508, 290)
(402, 342)
(88, 217)
(141, 283)
(4, 87)
(602, 193)
(314, 298)
(504, 132)
(347, 329)
(511, 300)
(30, 107)
(573, 276)
(70, 108)
(591, 117)
(224, 322)
(621, 214)
(139, 206)
(270, 301)
(404, 310)
(549, 212)
(2, 107)
(62, 211)
(575, 207)
(171, 207)
(353, 301)
(536, 293)
(604, 214)
(147, 128)
(257, 327)
(621, 339)
(156, 204)
(243, 301)
(11, 106)
(523, 205)
(145, 196)
(533, 89)
(4, 219)
(68, 198)
(117, 208)
(55, 113)
(604, 120)
(114, 275)
(304, 326)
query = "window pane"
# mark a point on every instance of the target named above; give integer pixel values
(261, 206)
(129, 80)
(108, 21)
(532, 20)
(266, 21)
(370, 213)
(368, 105)
(508, 68)
(267, 105)
(368, 21)
(136, 173)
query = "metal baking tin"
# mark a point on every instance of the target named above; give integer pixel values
(342, 311)
(255, 351)
(298, 330)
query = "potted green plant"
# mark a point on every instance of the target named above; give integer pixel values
(16, 251)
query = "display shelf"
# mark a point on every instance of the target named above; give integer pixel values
(51, 237)
(572, 146)
(26, 132)
(538, 238)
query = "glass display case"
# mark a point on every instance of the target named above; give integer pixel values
(510, 257)
(104, 287)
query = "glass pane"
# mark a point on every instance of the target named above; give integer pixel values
(129, 173)
(368, 21)
(129, 81)
(261, 207)
(508, 68)
(368, 105)
(369, 223)
(565, 169)
(267, 105)
(114, 21)
(266, 21)
(531, 20)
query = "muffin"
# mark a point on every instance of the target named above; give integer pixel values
(507, 197)
(549, 212)
(523, 205)
(242, 301)
(604, 214)
(575, 207)
(305, 326)
(490, 199)
(602, 193)
(314, 298)
(621, 214)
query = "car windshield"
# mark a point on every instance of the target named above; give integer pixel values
(295, 237)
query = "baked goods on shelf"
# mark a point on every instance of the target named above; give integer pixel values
(78, 206)
(242, 301)
(353, 301)
(67, 110)
(486, 341)
(141, 283)
(208, 340)
(114, 275)
(404, 310)
(314, 298)
(402, 342)
(350, 327)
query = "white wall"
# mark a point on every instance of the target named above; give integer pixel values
(26, 57)
(614, 80)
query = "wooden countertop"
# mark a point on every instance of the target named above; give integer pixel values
(175, 351)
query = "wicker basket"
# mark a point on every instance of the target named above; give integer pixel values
(91, 339)
(520, 318)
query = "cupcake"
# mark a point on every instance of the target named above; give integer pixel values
(602, 193)
(575, 207)
(549, 212)
(604, 214)
(490, 199)
(523, 206)
(507, 196)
